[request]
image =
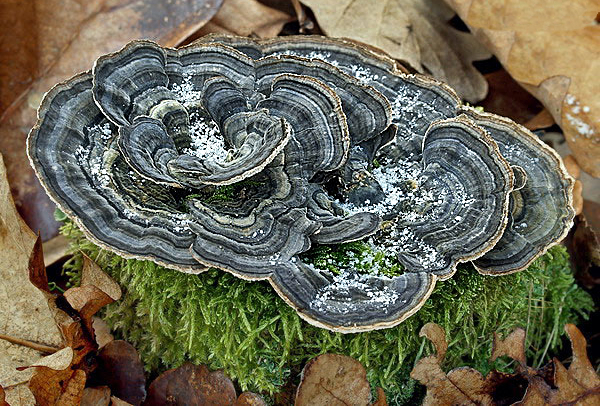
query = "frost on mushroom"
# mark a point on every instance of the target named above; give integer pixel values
(256, 157)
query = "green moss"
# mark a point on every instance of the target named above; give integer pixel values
(358, 255)
(246, 329)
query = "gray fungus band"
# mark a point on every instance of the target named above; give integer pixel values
(313, 141)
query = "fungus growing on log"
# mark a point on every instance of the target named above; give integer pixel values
(248, 156)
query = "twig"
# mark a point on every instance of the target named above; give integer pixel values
(38, 347)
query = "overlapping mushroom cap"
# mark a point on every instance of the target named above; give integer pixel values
(246, 155)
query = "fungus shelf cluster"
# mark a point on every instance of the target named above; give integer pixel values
(248, 155)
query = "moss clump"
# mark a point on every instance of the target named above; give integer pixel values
(246, 329)
(357, 255)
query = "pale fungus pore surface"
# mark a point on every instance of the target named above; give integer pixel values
(256, 157)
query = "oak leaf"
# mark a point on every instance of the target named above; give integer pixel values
(552, 384)
(416, 32)
(553, 53)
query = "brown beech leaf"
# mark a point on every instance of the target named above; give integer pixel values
(52, 41)
(120, 368)
(194, 384)
(551, 49)
(246, 18)
(98, 396)
(414, 31)
(332, 379)
(23, 309)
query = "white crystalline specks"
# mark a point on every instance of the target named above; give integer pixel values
(582, 127)
(343, 285)
(185, 91)
(207, 141)
(206, 138)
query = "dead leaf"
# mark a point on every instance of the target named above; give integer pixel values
(381, 399)
(512, 346)
(551, 53)
(115, 401)
(332, 379)
(3, 402)
(250, 399)
(53, 377)
(507, 98)
(584, 249)
(120, 368)
(552, 384)
(578, 197)
(194, 383)
(93, 275)
(443, 389)
(61, 38)
(24, 313)
(572, 166)
(55, 249)
(414, 31)
(102, 332)
(99, 396)
(543, 119)
(245, 18)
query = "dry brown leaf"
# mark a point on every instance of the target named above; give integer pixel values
(414, 31)
(584, 249)
(553, 53)
(115, 401)
(92, 274)
(512, 346)
(543, 119)
(24, 313)
(120, 368)
(61, 38)
(246, 18)
(250, 399)
(60, 378)
(102, 332)
(461, 386)
(3, 401)
(578, 197)
(191, 382)
(381, 399)
(55, 249)
(552, 384)
(99, 396)
(507, 98)
(572, 167)
(332, 379)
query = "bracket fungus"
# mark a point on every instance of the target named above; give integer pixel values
(248, 155)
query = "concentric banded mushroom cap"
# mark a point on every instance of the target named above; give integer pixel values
(541, 208)
(244, 155)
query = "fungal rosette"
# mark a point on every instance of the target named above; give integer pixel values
(256, 157)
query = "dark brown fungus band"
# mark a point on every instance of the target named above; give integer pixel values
(246, 155)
